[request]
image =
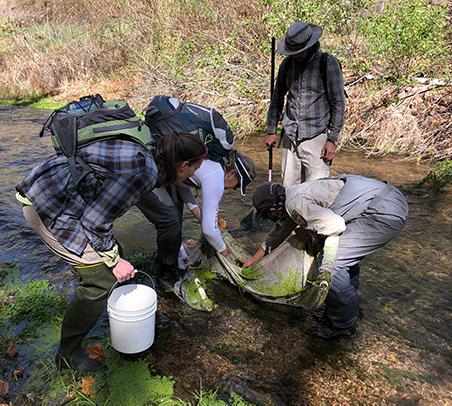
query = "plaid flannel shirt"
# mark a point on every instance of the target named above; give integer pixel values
(309, 112)
(123, 172)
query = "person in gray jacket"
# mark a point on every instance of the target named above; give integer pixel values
(352, 215)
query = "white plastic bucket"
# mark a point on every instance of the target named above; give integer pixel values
(131, 310)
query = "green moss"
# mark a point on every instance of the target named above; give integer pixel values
(35, 302)
(131, 383)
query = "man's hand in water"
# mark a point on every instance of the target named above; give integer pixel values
(247, 262)
(256, 257)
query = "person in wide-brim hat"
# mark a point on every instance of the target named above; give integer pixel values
(299, 37)
(309, 100)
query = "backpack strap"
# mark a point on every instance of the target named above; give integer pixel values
(65, 130)
(323, 76)
(46, 123)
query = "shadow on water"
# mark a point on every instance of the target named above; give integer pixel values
(261, 350)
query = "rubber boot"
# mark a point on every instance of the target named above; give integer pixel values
(70, 353)
(82, 314)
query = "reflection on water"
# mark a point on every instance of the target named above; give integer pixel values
(405, 287)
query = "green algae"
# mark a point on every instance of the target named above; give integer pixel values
(193, 289)
(251, 273)
(49, 335)
(210, 399)
(10, 275)
(141, 261)
(131, 383)
(26, 308)
(238, 400)
(123, 382)
(205, 275)
(36, 302)
(286, 283)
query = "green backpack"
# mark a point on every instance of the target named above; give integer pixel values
(92, 119)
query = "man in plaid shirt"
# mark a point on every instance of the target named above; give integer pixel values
(314, 113)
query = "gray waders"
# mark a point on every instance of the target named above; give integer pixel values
(370, 226)
(95, 282)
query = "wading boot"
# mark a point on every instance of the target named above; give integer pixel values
(166, 275)
(81, 315)
(328, 333)
(70, 354)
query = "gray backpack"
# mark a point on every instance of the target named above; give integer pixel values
(166, 114)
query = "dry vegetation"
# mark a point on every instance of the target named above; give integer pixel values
(413, 119)
(217, 53)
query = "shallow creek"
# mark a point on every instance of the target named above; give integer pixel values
(262, 351)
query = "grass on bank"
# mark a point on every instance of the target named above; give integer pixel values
(440, 178)
(45, 103)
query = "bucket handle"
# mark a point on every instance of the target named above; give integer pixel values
(134, 273)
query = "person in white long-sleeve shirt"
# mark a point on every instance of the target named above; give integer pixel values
(212, 178)
(225, 169)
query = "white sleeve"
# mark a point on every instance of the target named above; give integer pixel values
(212, 187)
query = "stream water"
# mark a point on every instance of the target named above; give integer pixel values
(403, 353)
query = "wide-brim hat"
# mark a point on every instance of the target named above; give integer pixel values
(299, 36)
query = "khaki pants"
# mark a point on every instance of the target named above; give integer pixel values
(89, 256)
(308, 166)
